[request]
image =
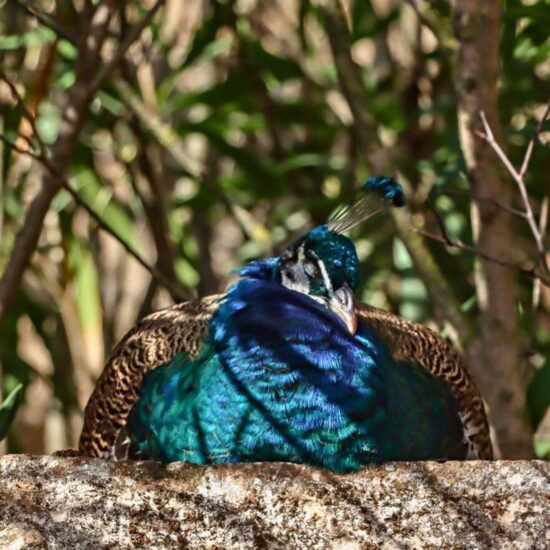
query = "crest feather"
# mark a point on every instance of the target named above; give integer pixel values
(376, 194)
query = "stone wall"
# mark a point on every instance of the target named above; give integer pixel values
(48, 502)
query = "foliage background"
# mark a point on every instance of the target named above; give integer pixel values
(223, 135)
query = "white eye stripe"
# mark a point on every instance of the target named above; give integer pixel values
(301, 254)
(324, 273)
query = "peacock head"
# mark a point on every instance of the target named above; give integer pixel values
(323, 263)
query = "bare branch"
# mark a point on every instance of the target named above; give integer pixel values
(531, 145)
(47, 21)
(479, 198)
(458, 244)
(175, 289)
(518, 177)
(454, 242)
(543, 222)
(543, 219)
(26, 113)
(19, 150)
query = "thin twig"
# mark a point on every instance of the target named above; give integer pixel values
(454, 242)
(488, 136)
(532, 142)
(26, 112)
(543, 222)
(543, 218)
(479, 198)
(459, 245)
(19, 150)
(175, 289)
(47, 21)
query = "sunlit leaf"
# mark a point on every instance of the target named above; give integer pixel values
(105, 205)
(8, 409)
(86, 290)
(36, 37)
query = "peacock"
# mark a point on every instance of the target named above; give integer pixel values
(288, 366)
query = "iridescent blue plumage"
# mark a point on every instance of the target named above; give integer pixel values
(387, 188)
(283, 377)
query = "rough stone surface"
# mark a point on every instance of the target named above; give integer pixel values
(48, 502)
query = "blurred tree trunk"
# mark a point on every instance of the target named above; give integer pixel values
(503, 380)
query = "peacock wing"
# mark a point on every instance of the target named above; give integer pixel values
(417, 344)
(154, 341)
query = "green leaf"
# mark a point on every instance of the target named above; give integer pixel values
(86, 288)
(538, 394)
(280, 68)
(67, 50)
(87, 293)
(401, 256)
(227, 91)
(363, 20)
(33, 38)
(103, 202)
(305, 160)
(542, 449)
(8, 408)
(48, 122)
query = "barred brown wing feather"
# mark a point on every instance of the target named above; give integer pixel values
(151, 343)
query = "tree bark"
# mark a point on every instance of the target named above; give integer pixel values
(503, 380)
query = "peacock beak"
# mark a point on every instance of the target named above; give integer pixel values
(341, 303)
